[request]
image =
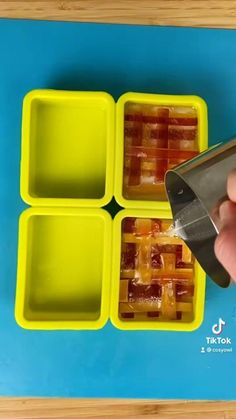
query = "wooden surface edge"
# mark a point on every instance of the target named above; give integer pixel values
(195, 13)
(38, 408)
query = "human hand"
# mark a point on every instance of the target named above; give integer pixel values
(225, 244)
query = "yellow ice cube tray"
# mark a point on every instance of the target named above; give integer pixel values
(78, 150)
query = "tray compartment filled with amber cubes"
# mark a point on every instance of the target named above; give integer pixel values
(158, 284)
(155, 133)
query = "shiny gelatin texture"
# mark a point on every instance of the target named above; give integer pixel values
(157, 272)
(155, 139)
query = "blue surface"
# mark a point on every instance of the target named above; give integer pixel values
(110, 363)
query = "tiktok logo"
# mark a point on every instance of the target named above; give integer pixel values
(217, 344)
(218, 327)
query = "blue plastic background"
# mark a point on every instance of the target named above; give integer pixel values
(114, 58)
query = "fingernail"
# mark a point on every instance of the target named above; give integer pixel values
(227, 213)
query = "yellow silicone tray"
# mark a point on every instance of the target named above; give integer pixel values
(158, 100)
(67, 148)
(63, 268)
(149, 324)
(65, 262)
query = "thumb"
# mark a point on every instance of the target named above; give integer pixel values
(225, 244)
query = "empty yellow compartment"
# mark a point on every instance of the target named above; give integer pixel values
(144, 107)
(67, 148)
(192, 311)
(63, 268)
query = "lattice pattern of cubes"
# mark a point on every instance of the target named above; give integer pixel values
(157, 272)
(155, 139)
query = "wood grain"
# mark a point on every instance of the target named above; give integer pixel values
(204, 13)
(116, 409)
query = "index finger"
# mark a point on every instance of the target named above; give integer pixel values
(231, 186)
(225, 249)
